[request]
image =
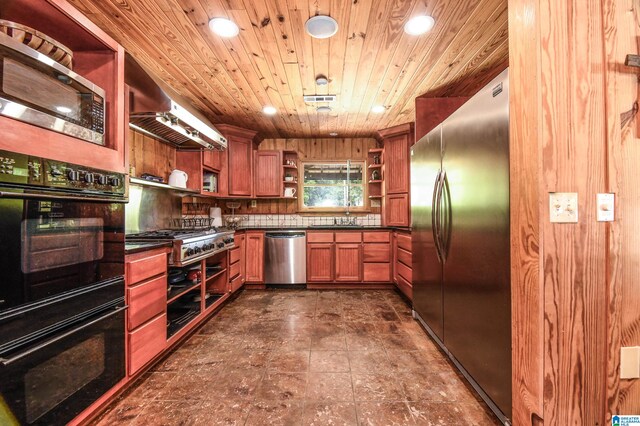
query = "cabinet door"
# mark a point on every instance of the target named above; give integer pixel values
(267, 179)
(240, 166)
(320, 262)
(212, 159)
(396, 159)
(146, 342)
(240, 242)
(348, 262)
(254, 242)
(397, 210)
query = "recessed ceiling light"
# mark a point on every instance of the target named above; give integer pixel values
(323, 109)
(333, 134)
(224, 27)
(321, 80)
(63, 109)
(321, 26)
(269, 110)
(419, 25)
(378, 109)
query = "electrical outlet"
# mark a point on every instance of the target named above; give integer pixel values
(254, 204)
(563, 207)
(630, 362)
(605, 205)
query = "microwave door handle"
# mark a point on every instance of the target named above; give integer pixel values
(5, 362)
(42, 196)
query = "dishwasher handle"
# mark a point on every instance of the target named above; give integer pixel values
(300, 234)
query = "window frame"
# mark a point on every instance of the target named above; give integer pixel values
(350, 209)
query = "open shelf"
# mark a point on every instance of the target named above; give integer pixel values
(175, 293)
(290, 182)
(375, 197)
(375, 181)
(287, 166)
(375, 166)
(216, 275)
(182, 311)
(212, 300)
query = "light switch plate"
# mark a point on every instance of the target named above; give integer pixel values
(563, 207)
(630, 362)
(605, 204)
(254, 204)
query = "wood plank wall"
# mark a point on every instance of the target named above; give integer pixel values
(148, 155)
(575, 288)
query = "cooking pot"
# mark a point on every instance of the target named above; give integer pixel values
(178, 178)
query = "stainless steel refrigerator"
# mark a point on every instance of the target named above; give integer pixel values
(460, 234)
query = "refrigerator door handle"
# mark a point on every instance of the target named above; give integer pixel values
(435, 216)
(446, 217)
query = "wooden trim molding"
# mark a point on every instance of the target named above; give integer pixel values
(400, 129)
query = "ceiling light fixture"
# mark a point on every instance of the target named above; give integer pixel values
(419, 25)
(269, 110)
(321, 26)
(333, 134)
(323, 109)
(321, 80)
(224, 27)
(378, 109)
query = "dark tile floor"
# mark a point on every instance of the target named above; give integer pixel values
(288, 357)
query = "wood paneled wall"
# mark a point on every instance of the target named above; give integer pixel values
(575, 288)
(148, 155)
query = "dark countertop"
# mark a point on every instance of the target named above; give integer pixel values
(136, 247)
(322, 228)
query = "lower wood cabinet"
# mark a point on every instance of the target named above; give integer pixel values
(320, 262)
(254, 243)
(237, 265)
(348, 262)
(402, 263)
(146, 300)
(146, 342)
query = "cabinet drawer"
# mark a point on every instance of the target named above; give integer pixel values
(320, 237)
(234, 255)
(404, 257)
(236, 283)
(147, 342)
(348, 237)
(404, 271)
(146, 300)
(404, 241)
(377, 253)
(377, 272)
(234, 270)
(147, 267)
(376, 237)
(405, 287)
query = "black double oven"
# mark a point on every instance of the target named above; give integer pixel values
(62, 309)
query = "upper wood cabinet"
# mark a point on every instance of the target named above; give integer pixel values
(212, 159)
(397, 141)
(396, 210)
(240, 151)
(267, 177)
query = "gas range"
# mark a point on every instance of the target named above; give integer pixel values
(189, 245)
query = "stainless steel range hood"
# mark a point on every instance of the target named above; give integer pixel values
(159, 112)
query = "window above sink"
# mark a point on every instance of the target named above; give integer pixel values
(333, 186)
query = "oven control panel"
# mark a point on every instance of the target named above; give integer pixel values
(20, 169)
(189, 251)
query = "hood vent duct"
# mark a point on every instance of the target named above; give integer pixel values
(158, 111)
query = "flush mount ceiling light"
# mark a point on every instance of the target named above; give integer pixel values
(224, 27)
(333, 134)
(323, 109)
(419, 25)
(269, 110)
(378, 109)
(321, 80)
(321, 26)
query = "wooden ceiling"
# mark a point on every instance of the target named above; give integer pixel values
(370, 60)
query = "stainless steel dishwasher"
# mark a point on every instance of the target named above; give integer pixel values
(285, 257)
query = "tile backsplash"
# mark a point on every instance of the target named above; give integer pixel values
(295, 220)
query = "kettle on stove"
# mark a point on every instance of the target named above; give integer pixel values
(178, 178)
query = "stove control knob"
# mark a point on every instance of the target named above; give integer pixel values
(220, 245)
(73, 175)
(189, 252)
(88, 177)
(207, 247)
(197, 250)
(55, 172)
(114, 181)
(103, 180)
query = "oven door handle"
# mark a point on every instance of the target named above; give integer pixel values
(5, 362)
(22, 195)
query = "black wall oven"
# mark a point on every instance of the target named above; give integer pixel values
(61, 288)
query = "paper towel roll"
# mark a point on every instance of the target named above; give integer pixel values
(215, 213)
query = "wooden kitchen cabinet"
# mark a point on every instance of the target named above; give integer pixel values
(402, 263)
(397, 142)
(237, 263)
(267, 178)
(396, 207)
(240, 149)
(320, 261)
(212, 159)
(348, 262)
(254, 242)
